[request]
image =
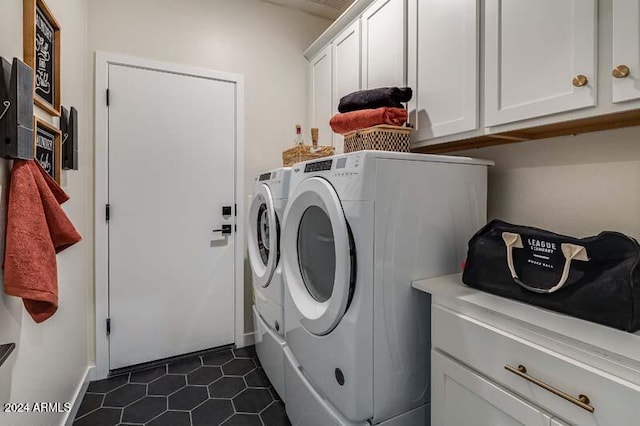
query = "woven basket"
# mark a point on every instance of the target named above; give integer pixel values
(379, 138)
(301, 153)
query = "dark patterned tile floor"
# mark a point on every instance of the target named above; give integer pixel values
(216, 388)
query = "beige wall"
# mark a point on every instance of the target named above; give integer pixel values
(262, 41)
(51, 358)
(577, 185)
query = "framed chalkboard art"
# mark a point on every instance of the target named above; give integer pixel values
(48, 147)
(42, 53)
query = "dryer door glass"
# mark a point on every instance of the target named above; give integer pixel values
(317, 253)
(263, 234)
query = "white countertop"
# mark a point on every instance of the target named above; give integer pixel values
(608, 343)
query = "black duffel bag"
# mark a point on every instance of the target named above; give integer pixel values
(595, 278)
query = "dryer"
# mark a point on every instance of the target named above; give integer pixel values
(263, 242)
(358, 229)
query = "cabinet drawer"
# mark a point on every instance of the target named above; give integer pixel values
(485, 404)
(488, 350)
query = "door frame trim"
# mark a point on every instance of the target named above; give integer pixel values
(101, 135)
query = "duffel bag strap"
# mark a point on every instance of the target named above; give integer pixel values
(570, 252)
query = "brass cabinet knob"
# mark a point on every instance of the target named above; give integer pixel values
(580, 80)
(621, 71)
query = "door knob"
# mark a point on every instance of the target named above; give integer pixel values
(621, 71)
(580, 80)
(225, 230)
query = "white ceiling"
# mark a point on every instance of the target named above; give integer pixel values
(329, 9)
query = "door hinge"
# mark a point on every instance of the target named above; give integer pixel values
(108, 326)
(107, 97)
(107, 212)
(235, 210)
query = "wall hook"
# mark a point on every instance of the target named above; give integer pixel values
(16, 110)
(6, 104)
(69, 128)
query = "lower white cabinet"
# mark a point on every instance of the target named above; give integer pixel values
(461, 397)
(571, 389)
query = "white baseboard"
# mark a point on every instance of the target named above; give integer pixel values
(89, 375)
(248, 340)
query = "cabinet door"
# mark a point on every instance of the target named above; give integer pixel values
(321, 96)
(383, 44)
(346, 69)
(446, 57)
(534, 50)
(556, 422)
(626, 50)
(461, 397)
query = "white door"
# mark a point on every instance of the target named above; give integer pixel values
(446, 57)
(322, 96)
(317, 250)
(346, 69)
(540, 58)
(625, 69)
(460, 397)
(171, 170)
(383, 44)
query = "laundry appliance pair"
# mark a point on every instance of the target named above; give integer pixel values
(357, 229)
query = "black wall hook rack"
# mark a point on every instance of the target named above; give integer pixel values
(69, 128)
(5, 351)
(16, 110)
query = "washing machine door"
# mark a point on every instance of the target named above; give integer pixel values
(263, 237)
(318, 258)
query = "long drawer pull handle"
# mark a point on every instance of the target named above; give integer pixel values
(582, 401)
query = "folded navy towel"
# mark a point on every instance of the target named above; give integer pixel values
(376, 98)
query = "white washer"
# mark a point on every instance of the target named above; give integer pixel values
(265, 216)
(358, 228)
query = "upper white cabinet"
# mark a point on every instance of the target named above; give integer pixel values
(346, 69)
(540, 58)
(541, 63)
(383, 44)
(369, 52)
(460, 397)
(443, 59)
(346, 62)
(625, 70)
(321, 95)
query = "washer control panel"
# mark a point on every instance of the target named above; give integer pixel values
(347, 166)
(340, 166)
(318, 166)
(264, 176)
